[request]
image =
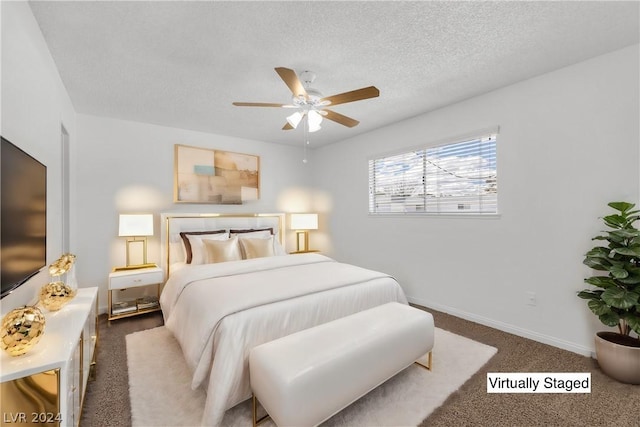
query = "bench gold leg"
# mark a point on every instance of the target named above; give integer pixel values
(257, 421)
(429, 363)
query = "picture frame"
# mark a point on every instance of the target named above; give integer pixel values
(204, 175)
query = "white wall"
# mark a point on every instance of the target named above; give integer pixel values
(569, 143)
(34, 106)
(127, 167)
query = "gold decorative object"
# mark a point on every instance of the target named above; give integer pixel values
(55, 295)
(62, 265)
(22, 328)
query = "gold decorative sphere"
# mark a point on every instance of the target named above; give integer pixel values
(22, 328)
(62, 265)
(55, 295)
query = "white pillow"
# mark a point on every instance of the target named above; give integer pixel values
(198, 251)
(277, 247)
(257, 248)
(222, 250)
(176, 250)
(263, 234)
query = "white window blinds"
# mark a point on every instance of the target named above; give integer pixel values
(459, 177)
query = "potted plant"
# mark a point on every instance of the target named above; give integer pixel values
(616, 302)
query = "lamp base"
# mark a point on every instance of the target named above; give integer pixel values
(134, 267)
(302, 241)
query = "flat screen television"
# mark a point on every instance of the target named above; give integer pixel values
(23, 216)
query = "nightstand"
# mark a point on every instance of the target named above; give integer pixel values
(120, 280)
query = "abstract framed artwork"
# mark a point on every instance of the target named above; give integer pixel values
(203, 175)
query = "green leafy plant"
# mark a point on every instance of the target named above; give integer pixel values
(617, 301)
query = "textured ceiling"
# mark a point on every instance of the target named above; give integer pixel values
(182, 64)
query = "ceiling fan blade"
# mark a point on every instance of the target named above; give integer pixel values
(287, 126)
(259, 104)
(292, 81)
(354, 95)
(340, 118)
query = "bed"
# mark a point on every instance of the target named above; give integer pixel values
(220, 306)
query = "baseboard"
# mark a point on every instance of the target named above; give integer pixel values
(505, 327)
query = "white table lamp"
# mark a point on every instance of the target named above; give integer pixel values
(302, 223)
(136, 228)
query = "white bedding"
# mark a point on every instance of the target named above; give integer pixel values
(218, 312)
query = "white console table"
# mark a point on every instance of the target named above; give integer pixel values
(47, 384)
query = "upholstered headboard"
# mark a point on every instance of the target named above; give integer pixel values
(174, 223)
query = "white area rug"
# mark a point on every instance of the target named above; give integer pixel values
(160, 392)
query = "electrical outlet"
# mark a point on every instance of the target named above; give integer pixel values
(531, 298)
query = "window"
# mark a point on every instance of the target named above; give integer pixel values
(453, 178)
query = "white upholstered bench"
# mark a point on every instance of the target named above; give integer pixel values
(305, 378)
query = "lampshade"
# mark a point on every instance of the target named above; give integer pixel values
(314, 121)
(294, 119)
(304, 221)
(136, 225)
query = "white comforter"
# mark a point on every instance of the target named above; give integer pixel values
(218, 312)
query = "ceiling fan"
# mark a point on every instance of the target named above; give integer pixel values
(310, 103)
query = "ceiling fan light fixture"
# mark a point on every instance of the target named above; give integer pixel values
(294, 119)
(314, 120)
(314, 128)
